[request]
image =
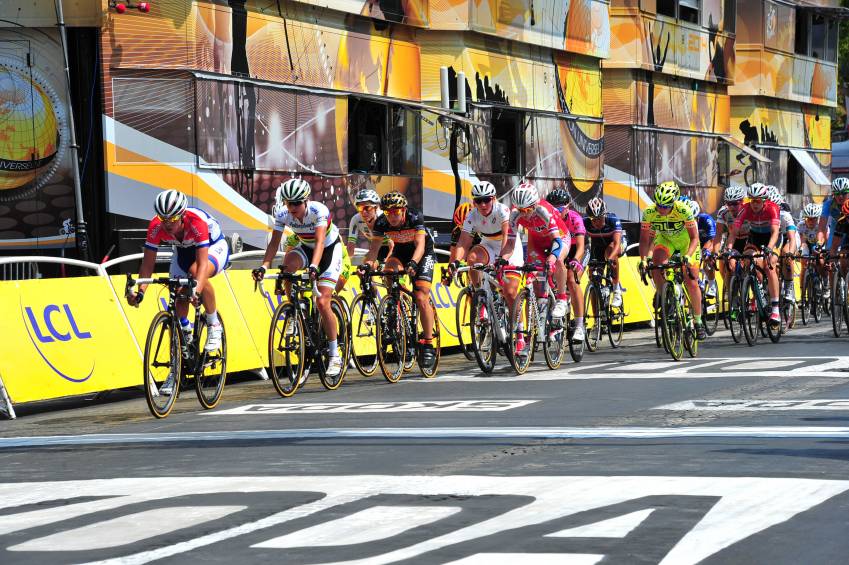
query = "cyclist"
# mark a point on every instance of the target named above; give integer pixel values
(367, 202)
(809, 232)
(787, 240)
(607, 241)
(831, 209)
(669, 224)
(457, 222)
(199, 250)
(840, 238)
(491, 219)
(548, 238)
(725, 221)
(319, 250)
(576, 257)
(291, 241)
(764, 230)
(707, 233)
(412, 252)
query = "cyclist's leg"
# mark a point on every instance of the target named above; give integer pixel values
(478, 254)
(421, 293)
(511, 280)
(347, 270)
(294, 260)
(330, 268)
(219, 254)
(574, 287)
(181, 261)
(691, 282)
(661, 253)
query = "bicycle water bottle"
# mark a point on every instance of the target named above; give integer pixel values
(605, 292)
(187, 327)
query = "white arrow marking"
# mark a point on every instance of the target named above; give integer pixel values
(617, 527)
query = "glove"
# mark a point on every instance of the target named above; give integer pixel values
(501, 262)
(576, 266)
(412, 267)
(707, 254)
(313, 271)
(687, 259)
(641, 266)
(453, 266)
(258, 273)
(550, 261)
(137, 298)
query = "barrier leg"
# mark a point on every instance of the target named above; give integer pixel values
(261, 373)
(6, 402)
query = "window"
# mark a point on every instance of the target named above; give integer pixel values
(831, 42)
(723, 163)
(367, 136)
(666, 7)
(404, 138)
(688, 11)
(802, 23)
(795, 176)
(818, 33)
(730, 15)
(506, 141)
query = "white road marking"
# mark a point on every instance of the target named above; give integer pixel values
(127, 529)
(618, 527)
(371, 407)
(745, 507)
(366, 526)
(762, 365)
(529, 559)
(780, 404)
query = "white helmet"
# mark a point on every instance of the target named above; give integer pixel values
(694, 206)
(735, 193)
(525, 195)
(840, 184)
(597, 207)
(367, 195)
(772, 194)
(758, 190)
(483, 189)
(293, 190)
(170, 203)
(812, 210)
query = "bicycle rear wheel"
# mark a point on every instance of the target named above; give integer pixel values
(524, 328)
(163, 362)
(615, 324)
(750, 310)
(805, 300)
(735, 309)
(820, 304)
(286, 350)
(211, 371)
(462, 317)
(364, 334)
(391, 338)
(553, 347)
(710, 314)
(436, 342)
(484, 342)
(838, 300)
(691, 343)
(341, 321)
(593, 318)
(672, 326)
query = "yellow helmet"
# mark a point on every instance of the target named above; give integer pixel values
(667, 193)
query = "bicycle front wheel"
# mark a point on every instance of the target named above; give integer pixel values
(838, 300)
(286, 350)
(615, 324)
(672, 326)
(735, 309)
(593, 318)
(710, 313)
(436, 342)
(391, 338)
(554, 346)
(751, 311)
(462, 318)
(484, 341)
(163, 364)
(524, 328)
(806, 299)
(340, 320)
(364, 334)
(211, 371)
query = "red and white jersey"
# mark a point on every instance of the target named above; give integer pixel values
(759, 222)
(199, 230)
(543, 226)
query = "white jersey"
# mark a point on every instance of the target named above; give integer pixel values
(808, 235)
(787, 222)
(488, 227)
(317, 215)
(359, 227)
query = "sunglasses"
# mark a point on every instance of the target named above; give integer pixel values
(295, 203)
(527, 210)
(734, 203)
(483, 200)
(395, 211)
(661, 207)
(756, 200)
(171, 220)
(366, 208)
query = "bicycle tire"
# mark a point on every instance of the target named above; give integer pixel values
(805, 300)
(685, 312)
(576, 346)
(735, 309)
(436, 341)
(163, 330)
(209, 386)
(363, 334)
(523, 325)
(286, 353)
(484, 340)
(615, 324)
(462, 319)
(751, 312)
(410, 332)
(592, 317)
(672, 326)
(552, 341)
(838, 299)
(820, 303)
(328, 382)
(710, 314)
(391, 338)
(725, 305)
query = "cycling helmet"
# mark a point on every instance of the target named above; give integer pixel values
(596, 207)
(293, 190)
(735, 193)
(839, 185)
(525, 195)
(785, 207)
(392, 200)
(367, 196)
(170, 203)
(684, 198)
(758, 190)
(694, 206)
(559, 197)
(772, 194)
(812, 210)
(667, 193)
(461, 212)
(483, 189)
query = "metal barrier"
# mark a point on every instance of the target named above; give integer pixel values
(19, 271)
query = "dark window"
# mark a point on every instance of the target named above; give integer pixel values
(367, 139)
(831, 42)
(723, 158)
(795, 176)
(802, 23)
(404, 140)
(730, 15)
(688, 11)
(818, 32)
(666, 7)
(506, 141)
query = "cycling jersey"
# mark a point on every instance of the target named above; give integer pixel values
(574, 222)
(604, 234)
(786, 222)
(707, 228)
(808, 235)
(316, 215)
(199, 230)
(670, 231)
(489, 230)
(404, 236)
(546, 229)
(759, 222)
(359, 227)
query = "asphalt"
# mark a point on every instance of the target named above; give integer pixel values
(737, 456)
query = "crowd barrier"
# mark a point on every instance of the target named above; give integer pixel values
(75, 336)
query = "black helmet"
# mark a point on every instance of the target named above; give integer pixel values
(559, 197)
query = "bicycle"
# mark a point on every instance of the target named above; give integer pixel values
(462, 313)
(753, 302)
(837, 305)
(532, 323)
(710, 304)
(364, 327)
(296, 342)
(677, 323)
(813, 302)
(489, 320)
(171, 361)
(787, 308)
(733, 301)
(599, 314)
(399, 328)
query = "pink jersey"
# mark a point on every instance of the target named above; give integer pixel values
(543, 226)
(575, 223)
(199, 230)
(758, 222)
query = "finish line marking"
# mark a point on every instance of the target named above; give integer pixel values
(372, 407)
(758, 405)
(767, 432)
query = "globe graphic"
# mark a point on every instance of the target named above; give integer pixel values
(29, 129)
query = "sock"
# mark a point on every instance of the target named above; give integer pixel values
(333, 347)
(212, 318)
(697, 319)
(579, 321)
(775, 306)
(561, 296)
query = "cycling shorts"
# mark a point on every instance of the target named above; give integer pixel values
(679, 243)
(330, 266)
(184, 257)
(493, 247)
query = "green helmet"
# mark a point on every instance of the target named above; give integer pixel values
(667, 193)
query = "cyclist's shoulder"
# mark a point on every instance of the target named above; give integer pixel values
(650, 213)
(682, 211)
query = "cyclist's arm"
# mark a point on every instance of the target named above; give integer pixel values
(822, 229)
(147, 265)
(420, 247)
(373, 249)
(616, 242)
(320, 236)
(717, 239)
(646, 238)
(271, 250)
(459, 250)
(351, 248)
(693, 232)
(580, 244)
(201, 268)
(773, 235)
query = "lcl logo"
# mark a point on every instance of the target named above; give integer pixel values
(53, 325)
